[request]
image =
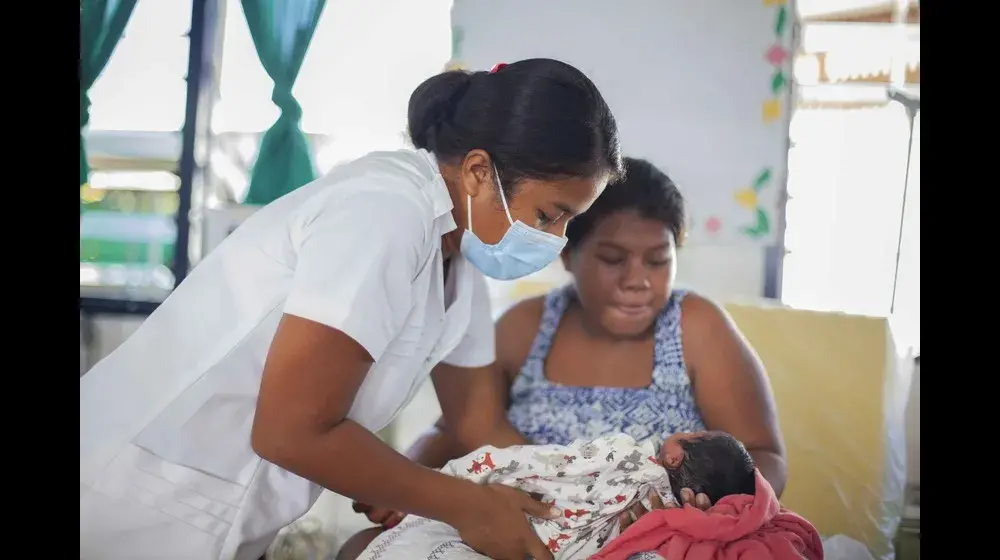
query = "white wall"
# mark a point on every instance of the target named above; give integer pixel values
(687, 83)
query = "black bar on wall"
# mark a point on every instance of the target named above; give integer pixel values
(773, 257)
(201, 49)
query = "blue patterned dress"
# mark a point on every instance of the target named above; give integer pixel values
(547, 412)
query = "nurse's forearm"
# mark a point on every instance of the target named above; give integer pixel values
(501, 434)
(353, 462)
(438, 445)
(434, 449)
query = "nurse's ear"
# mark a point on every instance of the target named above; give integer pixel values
(476, 173)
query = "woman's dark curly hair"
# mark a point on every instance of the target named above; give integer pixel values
(644, 190)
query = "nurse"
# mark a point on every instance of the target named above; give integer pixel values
(262, 378)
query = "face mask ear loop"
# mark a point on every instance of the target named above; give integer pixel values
(468, 210)
(503, 199)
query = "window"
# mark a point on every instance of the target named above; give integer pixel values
(127, 223)
(364, 61)
(845, 186)
(143, 87)
(847, 175)
(127, 234)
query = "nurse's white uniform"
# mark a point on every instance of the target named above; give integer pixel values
(166, 467)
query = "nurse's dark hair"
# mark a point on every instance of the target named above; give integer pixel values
(645, 190)
(538, 119)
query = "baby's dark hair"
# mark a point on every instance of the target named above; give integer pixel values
(717, 465)
(537, 119)
(645, 190)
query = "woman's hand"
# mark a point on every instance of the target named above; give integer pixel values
(688, 497)
(632, 514)
(700, 501)
(496, 525)
(385, 517)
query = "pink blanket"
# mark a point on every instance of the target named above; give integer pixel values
(737, 528)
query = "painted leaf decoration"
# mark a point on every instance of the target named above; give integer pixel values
(779, 25)
(762, 179)
(777, 82)
(763, 226)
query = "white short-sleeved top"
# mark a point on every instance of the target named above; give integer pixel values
(359, 250)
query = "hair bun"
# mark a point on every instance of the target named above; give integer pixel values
(433, 102)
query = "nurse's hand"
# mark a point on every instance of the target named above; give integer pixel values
(495, 524)
(387, 518)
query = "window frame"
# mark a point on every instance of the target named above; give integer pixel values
(202, 44)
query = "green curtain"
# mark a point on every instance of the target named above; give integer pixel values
(101, 25)
(281, 31)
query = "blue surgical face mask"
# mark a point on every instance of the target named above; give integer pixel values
(523, 250)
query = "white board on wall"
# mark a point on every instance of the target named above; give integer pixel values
(700, 88)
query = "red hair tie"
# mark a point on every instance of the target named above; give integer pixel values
(498, 67)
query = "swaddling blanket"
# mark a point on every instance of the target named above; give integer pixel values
(591, 482)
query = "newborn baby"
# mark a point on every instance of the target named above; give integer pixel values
(593, 483)
(712, 463)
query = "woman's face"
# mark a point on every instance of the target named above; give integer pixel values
(624, 270)
(543, 205)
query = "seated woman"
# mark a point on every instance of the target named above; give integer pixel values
(619, 350)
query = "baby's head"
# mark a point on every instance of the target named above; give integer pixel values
(713, 463)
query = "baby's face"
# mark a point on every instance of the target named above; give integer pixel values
(672, 453)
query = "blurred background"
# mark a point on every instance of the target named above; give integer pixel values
(792, 128)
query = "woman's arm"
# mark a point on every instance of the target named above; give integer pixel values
(435, 447)
(480, 396)
(474, 407)
(730, 386)
(350, 295)
(486, 391)
(311, 377)
(310, 380)
(469, 387)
